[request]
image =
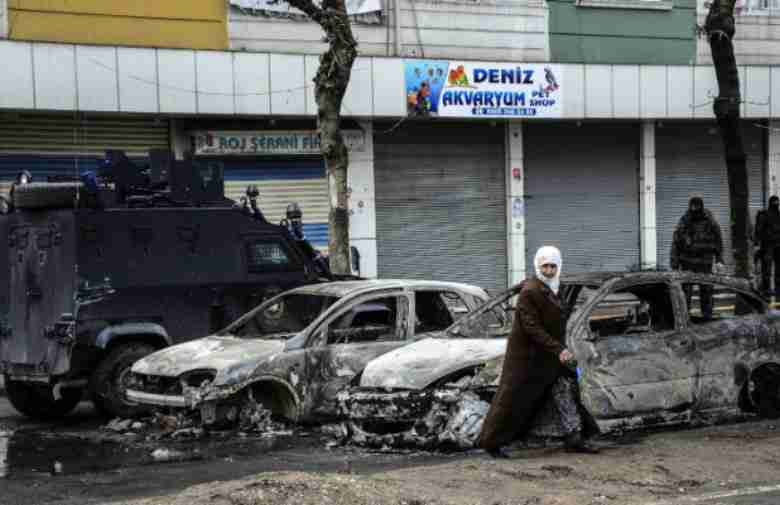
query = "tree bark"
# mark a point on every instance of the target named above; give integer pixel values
(330, 85)
(720, 30)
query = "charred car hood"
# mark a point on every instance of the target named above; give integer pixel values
(227, 356)
(417, 365)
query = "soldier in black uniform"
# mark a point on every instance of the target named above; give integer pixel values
(696, 244)
(768, 237)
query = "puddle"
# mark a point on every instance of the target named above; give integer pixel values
(30, 454)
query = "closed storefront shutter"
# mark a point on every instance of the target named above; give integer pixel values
(441, 203)
(582, 194)
(689, 161)
(57, 144)
(280, 182)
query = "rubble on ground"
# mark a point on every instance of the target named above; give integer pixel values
(249, 418)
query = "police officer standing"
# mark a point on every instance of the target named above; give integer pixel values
(696, 244)
(768, 237)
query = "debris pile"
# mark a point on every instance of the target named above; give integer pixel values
(247, 417)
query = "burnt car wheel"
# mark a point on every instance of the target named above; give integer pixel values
(766, 391)
(40, 195)
(110, 380)
(38, 402)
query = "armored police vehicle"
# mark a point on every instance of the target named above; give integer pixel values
(108, 268)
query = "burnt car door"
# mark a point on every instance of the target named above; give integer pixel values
(729, 342)
(636, 358)
(347, 340)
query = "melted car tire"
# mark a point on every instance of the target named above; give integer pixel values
(45, 195)
(108, 391)
(37, 402)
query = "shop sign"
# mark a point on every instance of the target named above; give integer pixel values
(268, 143)
(478, 89)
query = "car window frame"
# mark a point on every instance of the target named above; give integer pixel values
(317, 336)
(686, 312)
(583, 320)
(440, 292)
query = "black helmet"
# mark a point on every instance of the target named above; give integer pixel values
(23, 177)
(294, 211)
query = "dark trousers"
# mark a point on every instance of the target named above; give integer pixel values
(705, 291)
(771, 255)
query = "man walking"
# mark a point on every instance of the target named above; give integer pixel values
(696, 244)
(768, 238)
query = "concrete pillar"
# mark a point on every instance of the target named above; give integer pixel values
(180, 140)
(773, 186)
(362, 207)
(3, 19)
(515, 202)
(647, 216)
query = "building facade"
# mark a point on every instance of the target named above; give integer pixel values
(478, 132)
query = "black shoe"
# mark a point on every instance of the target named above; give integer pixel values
(575, 443)
(499, 453)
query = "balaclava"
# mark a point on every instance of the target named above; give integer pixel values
(696, 207)
(545, 255)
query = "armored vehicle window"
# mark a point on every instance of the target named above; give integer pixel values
(726, 302)
(268, 255)
(635, 310)
(368, 322)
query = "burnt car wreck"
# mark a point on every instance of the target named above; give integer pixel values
(117, 263)
(645, 360)
(295, 352)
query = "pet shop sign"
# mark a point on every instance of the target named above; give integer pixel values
(478, 89)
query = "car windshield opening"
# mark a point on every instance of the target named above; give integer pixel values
(285, 317)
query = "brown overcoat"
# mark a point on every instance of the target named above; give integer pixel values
(531, 365)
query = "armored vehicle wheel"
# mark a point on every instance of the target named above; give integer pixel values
(110, 380)
(38, 402)
(45, 195)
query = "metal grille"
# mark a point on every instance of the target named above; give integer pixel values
(582, 194)
(61, 144)
(689, 160)
(441, 203)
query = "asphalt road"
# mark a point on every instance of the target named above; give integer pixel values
(64, 463)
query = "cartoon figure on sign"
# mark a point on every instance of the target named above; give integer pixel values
(552, 84)
(423, 106)
(458, 77)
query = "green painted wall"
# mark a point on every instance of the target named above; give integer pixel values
(613, 35)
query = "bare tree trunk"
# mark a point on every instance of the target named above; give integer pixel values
(719, 27)
(330, 85)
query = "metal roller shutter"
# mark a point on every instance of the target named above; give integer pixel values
(582, 194)
(57, 144)
(689, 160)
(280, 182)
(441, 203)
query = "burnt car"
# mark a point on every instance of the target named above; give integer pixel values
(295, 352)
(106, 269)
(644, 360)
